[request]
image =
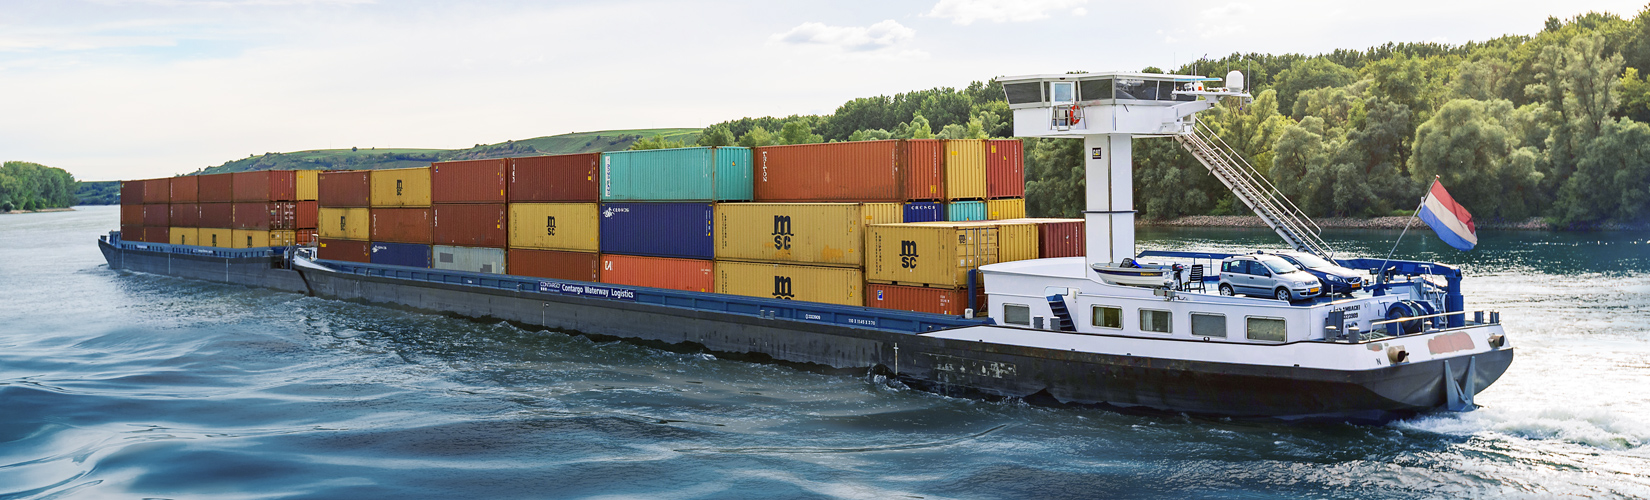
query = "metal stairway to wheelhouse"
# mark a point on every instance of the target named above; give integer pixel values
(1254, 190)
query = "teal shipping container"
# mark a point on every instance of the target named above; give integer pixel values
(962, 211)
(682, 174)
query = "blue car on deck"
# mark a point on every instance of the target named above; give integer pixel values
(1335, 279)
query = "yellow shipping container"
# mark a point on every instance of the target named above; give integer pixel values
(345, 223)
(184, 236)
(220, 238)
(574, 227)
(965, 169)
(309, 184)
(884, 213)
(248, 238)
(401, 187)
(282, 238)
(1016, 240)
(928, 253)
(831, 234)
(831, 285)
(1007, 208)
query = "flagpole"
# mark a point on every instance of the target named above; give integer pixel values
(1381, 278)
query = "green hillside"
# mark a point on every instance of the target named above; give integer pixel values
(374, 158)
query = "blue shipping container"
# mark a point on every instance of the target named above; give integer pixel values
(681, 174)
(960, 211)
(676, 230)
(401, 254)
(924, 211)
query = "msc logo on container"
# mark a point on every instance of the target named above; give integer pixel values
(908, 254)
(550, 225)
(341, 223)
(782, 288)
(398, 187)
(782, 232)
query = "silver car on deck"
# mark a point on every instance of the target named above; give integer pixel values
(1267, 275)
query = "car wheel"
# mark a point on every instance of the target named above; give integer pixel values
(1226, 290)
(1282, 294)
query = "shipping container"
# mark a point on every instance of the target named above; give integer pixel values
(964, 211)
(1058, 237)
(693, 275)
(265, 185)
(131, 214)
(248, 238)
(215, 188)
(830, 234)
(185, 214)
(556, 179)
(965, 169)
(917, 298)
(468, 181)
(131, 193)
(680, 174)
(402, 225)
(470, 225)
(574, 227)
(179, 235)
(1016, 239)
(157, 215)
(861, 171)
(131, 232)
(345, 250)
(830, 285)
(677, 230)
(401, 187)
(347, 189)
(884, 213)
(1006, 208)
(282, 238)
(553, 264)
(157, 234)
(215, 237)
(306, 236)
(400, 254)
(265, 216)
(928, 253)
(185, 189)
(217, 215)
(308, 214)
(923, 211)
(471, 259)
(345, 224)
(157, 191)
(1005, 170)
(924, 169)
(308, 184)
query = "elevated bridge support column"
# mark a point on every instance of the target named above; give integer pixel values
(1109, 212)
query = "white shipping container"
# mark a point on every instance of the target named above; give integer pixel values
(472, 259)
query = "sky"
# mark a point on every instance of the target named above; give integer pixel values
(126, 89)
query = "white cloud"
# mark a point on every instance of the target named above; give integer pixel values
(879, 36)
(965, 12)
(1231, 9)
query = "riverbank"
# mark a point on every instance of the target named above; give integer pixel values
(41, 211)
(1533, 224)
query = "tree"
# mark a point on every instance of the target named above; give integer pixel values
(716, 135)
(1054, 178)
(1469, 146)
(943, 109)
(918, 128)
(757, 137)
(1612, 177)
(1308, 74)
(656, 142)
(870, 135)
(799, 133)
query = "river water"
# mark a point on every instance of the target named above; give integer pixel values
(126, 385)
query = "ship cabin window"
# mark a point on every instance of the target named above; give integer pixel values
(1094, 90)
(1155, 321)
(1208, 325)
(1268, 329)
(1062, 91)
(1135, 88)
(1023, 93)
(1017, 314)
(1108, 317)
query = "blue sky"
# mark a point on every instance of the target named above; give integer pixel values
(121, 89)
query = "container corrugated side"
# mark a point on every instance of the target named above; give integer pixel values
(157, 215)
(131, 215)
(691, 275)
(916, 298)
(401, 225)
(131, 193)
(345, 224)
(471, 225)
(157, 191)
(156, 234)
(553, 264)
(283, 238)
(185, 215)
(884, 213)
(1058, 237)
(924, 169)
(468, 181)
(131, 232)
(471, 259)
(829, 234)
(308, 185)
(344, 250)
(681, 174)
(401, 187)
(185, 189)
(1006, 208)
(674, 230)
(216, 237)
(267, 185)
(248, 238)
(306, 236)
(927, 254)
(308, 214)
(965, 169)
(556, 179)
(215, 188)
(184, 236)
(345, 189)
(856, 172)
(1005, 173)
(1016, 239)
(922, 211)
(217, 215)
(400, 254)
(964, 211)
(267, 215)
(574, 227)
(830, 285)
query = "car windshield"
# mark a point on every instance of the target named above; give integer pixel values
(1278, 265)
(1312, 261)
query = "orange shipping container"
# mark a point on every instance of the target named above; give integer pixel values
(470, 181)
(215, 188)
(470, 225)
(864, 171)
(344, 189)
(1005, 169)
(401, 225)
(185, 215)
(556, 265)
(916, 298)
(185, 189)
(131, 215)
(308, 214)
(157, 234)
(267, 185)
(157, 191)
(924, 169)
(655, 272)
(157, 216)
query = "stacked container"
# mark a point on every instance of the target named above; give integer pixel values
(145, 210)
(264, 212)
(554, 230)
(925, 266)
(795, 251)
(657, 213)
(469, 215)
(1057, 237)
(400, 221)
(344, 216)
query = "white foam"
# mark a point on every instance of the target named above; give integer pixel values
(1587, 426)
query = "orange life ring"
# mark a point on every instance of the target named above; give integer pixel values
(1072, 115)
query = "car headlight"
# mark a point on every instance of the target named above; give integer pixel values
(1331, 277)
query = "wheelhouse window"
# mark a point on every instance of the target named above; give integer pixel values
(1023, 93)
(1155, 321)
(1017, 314)
(1208, 325)
(1094, 90)
(1267, 329)
(1062, 91)
(1108, 317)
(1134, 88)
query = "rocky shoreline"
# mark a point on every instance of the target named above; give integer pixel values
(1533, 224)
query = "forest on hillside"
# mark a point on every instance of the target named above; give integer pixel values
(1548, 125)
(32, 186)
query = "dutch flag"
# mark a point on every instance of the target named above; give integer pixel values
(1448, 218)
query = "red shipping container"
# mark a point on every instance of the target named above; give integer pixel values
(131, 232)
(916, 298)
(575, 266)
(350, 188)
(215, 188)
(924, 169)
(345, 250)
(469, 225)
(131, 192)
(1061, 238)
(157, 234)
(306, 236)
(309, 214)
(157, 216)
(185, 189)
(217, 215)
(132, 214)
(1005, 169)
(691, 275)
(401, 225)
(854, 172)
(266, 216)
(157, 191)
(185, 215)
(560, 178)
(469, 181)
(267, 185)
